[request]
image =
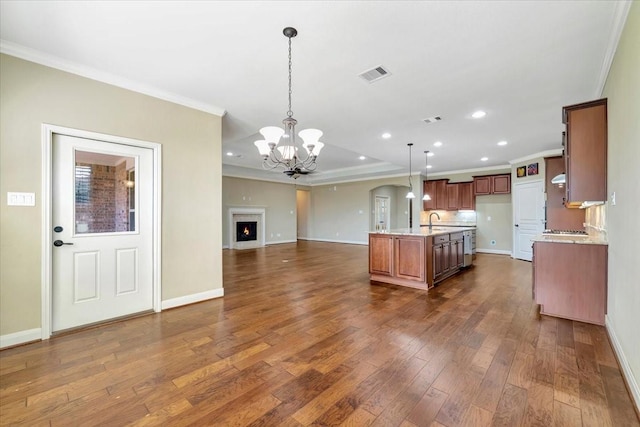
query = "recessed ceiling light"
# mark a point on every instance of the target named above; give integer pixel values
(229, 153)
(429, 166)
(484, 159)
(430, 154)
(386, 135)
(362, 157)
(478, 114)
(502, 143)
(437, 144)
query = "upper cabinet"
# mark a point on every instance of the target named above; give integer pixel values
(585, 152)
(558, 216)
(448, 196)
(492, 184)
(467, 200)
(437, 189)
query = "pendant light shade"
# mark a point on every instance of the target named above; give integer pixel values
(410, 194)
(426, 196)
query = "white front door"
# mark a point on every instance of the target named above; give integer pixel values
(528, 217)
(102, 236)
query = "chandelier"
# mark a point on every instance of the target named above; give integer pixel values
(279, 147)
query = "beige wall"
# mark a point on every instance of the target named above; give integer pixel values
(342, 212)
(623, 92)
(278, 200)
(32, 94)
(494, 220)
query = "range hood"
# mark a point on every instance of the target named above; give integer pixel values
(559, 179)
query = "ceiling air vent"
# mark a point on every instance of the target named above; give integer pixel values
(375, 74)
(432, 119)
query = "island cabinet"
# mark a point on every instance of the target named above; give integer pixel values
(398, 259)
(585, 152)
(570, 280)
(448, 255)
(415, 260)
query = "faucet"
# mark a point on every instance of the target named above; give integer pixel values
(433, 213)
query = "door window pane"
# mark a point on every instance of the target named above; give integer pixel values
(105, 193)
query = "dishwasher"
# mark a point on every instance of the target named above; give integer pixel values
(467, 237)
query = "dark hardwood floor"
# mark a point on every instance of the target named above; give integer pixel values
(302, 338)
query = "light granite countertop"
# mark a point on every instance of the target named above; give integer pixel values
(423, 231)
(582, 240)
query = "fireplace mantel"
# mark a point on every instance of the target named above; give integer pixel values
(246, 214)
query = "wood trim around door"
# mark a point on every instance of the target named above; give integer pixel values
(46, 252)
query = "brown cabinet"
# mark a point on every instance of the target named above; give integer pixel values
(448, 255)
(585, 152)
(453, 196)
(492, 184)
(570, 280)
(467, 200)
(441, 194)
(417, 261)
(557, 214)
(409, 257)
(437, 189)
(401, 258)
(457, 250)
(429, 187)
(448, 196)
(381, 254)
(441, 256)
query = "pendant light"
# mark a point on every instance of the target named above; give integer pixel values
(279, 147)
(426, 196)
(410, 194)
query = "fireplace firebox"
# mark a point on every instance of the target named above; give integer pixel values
(246, 231)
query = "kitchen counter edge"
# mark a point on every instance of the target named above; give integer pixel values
(424, 231)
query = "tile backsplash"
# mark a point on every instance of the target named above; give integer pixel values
(450, 217)
(596, 221)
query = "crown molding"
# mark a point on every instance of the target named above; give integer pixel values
(474, 170)
(619, 19)
(39, 57)
(547, 153)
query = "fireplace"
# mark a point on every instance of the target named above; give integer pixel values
(246, 227)
(246, 231)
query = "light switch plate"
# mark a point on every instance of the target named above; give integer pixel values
(21, 199)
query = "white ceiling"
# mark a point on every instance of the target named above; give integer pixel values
(520, 61)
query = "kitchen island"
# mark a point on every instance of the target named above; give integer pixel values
(418, 258)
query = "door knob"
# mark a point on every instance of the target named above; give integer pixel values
(59, 243)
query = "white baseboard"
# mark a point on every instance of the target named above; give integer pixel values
(279, 242)
(193, 298)
(624, 364)
(494, 251)
(21, 337)
(349, 242)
